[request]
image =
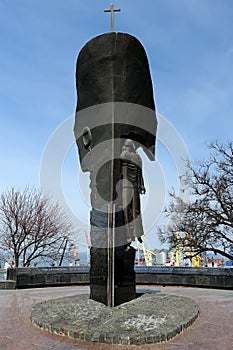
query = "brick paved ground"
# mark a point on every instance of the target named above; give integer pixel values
(212, 331)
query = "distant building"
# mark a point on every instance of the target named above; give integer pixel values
(161, 258)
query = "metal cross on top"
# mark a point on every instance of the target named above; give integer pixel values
(112, 10)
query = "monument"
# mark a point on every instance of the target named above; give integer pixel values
(115, 116)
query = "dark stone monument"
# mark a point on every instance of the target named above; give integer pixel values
(115, 116)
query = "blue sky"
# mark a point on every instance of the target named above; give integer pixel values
(190, 49)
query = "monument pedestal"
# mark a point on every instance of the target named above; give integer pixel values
(124, 275)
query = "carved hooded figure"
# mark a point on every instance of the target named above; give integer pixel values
(132, 187)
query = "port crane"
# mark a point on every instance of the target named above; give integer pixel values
(148, 253)
(187, 251)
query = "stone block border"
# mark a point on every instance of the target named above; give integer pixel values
(7, 284)
(34, 277)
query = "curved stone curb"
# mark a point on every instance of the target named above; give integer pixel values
(151, 318)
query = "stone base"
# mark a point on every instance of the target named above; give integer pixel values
(151, 318)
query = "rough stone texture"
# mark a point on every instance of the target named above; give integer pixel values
(151, 318)
(7, 284)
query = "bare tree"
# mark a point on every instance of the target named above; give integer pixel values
(32, 226)
(208, 217)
